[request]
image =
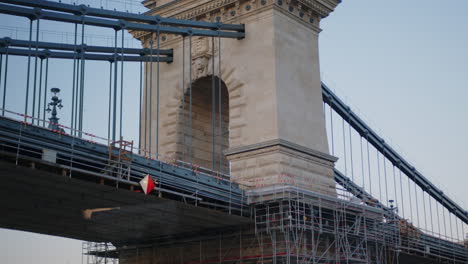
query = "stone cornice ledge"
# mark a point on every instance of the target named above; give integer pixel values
(178, 8)
(321, 7)
(282, 143)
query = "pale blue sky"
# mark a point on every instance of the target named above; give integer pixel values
(402, 65)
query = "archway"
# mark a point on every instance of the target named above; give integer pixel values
(196, 142)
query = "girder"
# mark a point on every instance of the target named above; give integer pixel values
(87, 56)
(82, 9)
(8, 42)
(188, 28)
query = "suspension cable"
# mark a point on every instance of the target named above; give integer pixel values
(109, 113)
(121, 85)
(430, 211)
(114, 104)
(35, 72)
(445, 224)
(463, 230)
(5, 82)
(183, 98)
(362, 164)
(425, 212)
(416, 200)
(82, 86)
(438, 219)
(150, 127)
(220, 106)
(146, 107)
(28, 72)
(213, 106)
(401, 191)
(332, 133)
(409, 199)
(385, 175)
(456, 225)
(368, 163)
(450, 222)
(395, 187)
(379, 176)
(40, 92)
(158, 53)
(78, 70)
(351, 151)
(344, 145)
(73, 83)
(45, 92)
(190, 99)
(140, 106)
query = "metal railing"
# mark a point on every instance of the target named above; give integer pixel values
(20, 140)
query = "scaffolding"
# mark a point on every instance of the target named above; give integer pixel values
(289, 225)
(120, 159)
(292, 225)
(307, 227)
(99, 253)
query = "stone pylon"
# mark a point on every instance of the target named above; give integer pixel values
(269, 127)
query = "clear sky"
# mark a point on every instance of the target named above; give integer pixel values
(402, 65)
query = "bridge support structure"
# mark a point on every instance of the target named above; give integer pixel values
(291, 225)
(265, 89)
(294, 225)
(244, 116)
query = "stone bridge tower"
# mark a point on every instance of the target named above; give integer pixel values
(272, 120)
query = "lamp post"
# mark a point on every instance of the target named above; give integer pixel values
(56, 102)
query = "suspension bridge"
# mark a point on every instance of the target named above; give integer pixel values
(232, 183)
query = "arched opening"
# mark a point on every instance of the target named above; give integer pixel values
(200, 141)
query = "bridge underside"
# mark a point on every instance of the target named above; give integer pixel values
(49, 203)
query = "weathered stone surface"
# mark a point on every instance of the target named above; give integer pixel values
(271, 92)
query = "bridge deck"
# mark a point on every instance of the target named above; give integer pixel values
(50, 197)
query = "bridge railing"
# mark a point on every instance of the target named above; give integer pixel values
(89, 137)
(25, 143)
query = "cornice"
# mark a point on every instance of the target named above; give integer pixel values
(283, 144)
(321, 7)
(307, 12)
(193, 8)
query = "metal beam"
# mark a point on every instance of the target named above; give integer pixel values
(68, 47)
(115, 24)
(83, 9)
(86, 56)
(365, 131)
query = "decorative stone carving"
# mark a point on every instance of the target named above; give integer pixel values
(308, 12)
(202, 54)
(200, 67)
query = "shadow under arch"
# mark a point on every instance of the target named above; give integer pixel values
(195, 141)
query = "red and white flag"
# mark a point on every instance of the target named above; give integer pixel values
(147, 184)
